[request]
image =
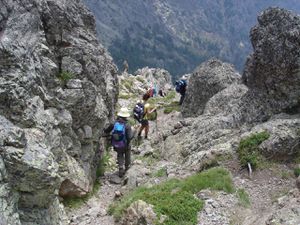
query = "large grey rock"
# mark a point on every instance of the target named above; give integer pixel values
(8, 199)
(284, 140)
(207, 80)
(155, 77)
(274, 66)
(49, 125)
(139, 212)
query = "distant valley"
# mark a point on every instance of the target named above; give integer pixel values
(178, 35)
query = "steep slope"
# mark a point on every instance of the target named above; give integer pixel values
(178, 34)
(58, 89)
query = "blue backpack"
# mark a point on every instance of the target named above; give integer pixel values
(138, 111)
(180, 85)
(118, 138)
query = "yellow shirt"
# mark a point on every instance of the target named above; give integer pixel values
(147, 111)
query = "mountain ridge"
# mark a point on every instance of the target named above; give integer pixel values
(178, 35)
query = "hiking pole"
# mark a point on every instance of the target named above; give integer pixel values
(250, 170)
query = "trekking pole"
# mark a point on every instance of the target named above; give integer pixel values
(250, 170)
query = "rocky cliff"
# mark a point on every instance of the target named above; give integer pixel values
(58, 88)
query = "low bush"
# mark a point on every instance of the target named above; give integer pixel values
(124, 96)
(173, 106)
(170, 96)
(160, 173)
(175, 198)
(140, 79)
(103, 164)
(128, 84)
(243, 198)
(65, 76)
(297, 172)
(248, 150)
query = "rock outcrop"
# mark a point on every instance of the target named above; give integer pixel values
(139, 212)
(274, 66)
(155, 77)
(207, 80)
(230, 108)
(58, 89)
(132, 87)
(284, 140)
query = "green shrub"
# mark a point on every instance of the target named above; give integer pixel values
(153, 101)
(248, 150)
(286, 174)
(103, 164)
(160, 173)
(128, 83)
(65, 76)
(243, 198)
(124, 96)
(175, 198)
(297, 172)
(170, 96)
(173, 106)
(140, 79)
(215, 178)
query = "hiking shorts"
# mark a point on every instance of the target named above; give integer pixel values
(144, 122)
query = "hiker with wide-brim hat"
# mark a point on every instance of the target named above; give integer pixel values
(120, 139)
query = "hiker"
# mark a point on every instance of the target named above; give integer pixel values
(126, 66)
(148, 94)
(180, 87)
(149, 114)
(120, 139)
(161, 93)
(138, 111)
(150, 91)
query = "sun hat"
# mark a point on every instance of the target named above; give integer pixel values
(124, 112)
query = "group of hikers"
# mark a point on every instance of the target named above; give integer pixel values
(122, 133)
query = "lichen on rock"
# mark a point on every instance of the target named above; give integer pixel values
(58, 89)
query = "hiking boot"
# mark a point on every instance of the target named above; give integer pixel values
(147, 138)
(121, 172)
(139, 136)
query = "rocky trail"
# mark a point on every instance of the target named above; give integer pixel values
(95, 210)
(269, 190)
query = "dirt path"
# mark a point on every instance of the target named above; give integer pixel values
(269, 191)
(94, 211)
